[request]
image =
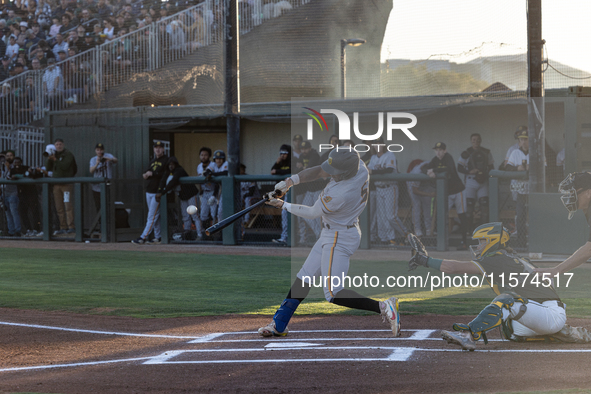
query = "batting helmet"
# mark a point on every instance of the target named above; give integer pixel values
(219, 154)
(492, 237)
(342, 163)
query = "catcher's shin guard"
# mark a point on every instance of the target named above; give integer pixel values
(490, 317)
(284, 313)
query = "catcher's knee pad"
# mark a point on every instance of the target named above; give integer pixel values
(284, 313)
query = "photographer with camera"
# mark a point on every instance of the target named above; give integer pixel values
(101, 166)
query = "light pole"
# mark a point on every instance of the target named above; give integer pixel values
(354, 42)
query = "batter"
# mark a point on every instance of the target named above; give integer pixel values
(339, 205)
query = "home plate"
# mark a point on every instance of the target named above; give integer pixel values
(291, 344)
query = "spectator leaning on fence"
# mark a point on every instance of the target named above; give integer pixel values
(153, 175)
(28, 198)
(101, 166)
(10, 196)
(63, 165)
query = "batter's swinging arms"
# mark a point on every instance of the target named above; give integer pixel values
(340, 204)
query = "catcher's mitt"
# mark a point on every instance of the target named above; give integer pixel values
(420, 257)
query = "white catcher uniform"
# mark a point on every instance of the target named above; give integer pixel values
(340, 204)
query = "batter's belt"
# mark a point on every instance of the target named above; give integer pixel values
(337, 227)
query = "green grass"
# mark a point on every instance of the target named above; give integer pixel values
(146, 285)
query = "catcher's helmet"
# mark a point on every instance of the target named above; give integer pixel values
(219, 154)
(492, 237)
(342, 163)
(574, 182)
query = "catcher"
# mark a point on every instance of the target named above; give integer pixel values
(528, 311)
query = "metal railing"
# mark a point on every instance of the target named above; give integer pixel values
(230, 189)
(112, 63)
(47, 216)
(27, 141)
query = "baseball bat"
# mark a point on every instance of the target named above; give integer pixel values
(231, 219)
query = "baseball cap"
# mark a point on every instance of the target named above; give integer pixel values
(440, 145)
(306, 145)
(99, 146)
(24, 24)
(522, 134)
(298, 137)
(519, 130)
(158, 143)
(61, 51)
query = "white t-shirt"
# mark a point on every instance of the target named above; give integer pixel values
(343, 202)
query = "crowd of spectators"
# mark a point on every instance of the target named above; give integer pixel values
(47, 36)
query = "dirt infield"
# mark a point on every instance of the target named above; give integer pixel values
(69, 353)
(57, 352)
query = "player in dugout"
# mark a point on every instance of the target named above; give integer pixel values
(526, 308)
(339, 205)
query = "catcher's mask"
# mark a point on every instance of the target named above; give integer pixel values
(491, 237)
(342, 163)
(574, 183)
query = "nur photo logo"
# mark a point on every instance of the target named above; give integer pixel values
(392, 121)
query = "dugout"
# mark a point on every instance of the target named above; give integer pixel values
(128, 132)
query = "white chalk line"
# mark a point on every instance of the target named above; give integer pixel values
(417, 334)
(397, 354)
(90, 363)
(127, 334)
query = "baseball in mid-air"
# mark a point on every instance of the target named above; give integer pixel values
(191, 209)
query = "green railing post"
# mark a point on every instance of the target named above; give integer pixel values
(104, 216)
(228, 209)
(46, 210)
(164, 218)
(493, 187)
(78, 212)
(441, 185)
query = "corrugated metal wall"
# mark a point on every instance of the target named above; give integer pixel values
(125, 134)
